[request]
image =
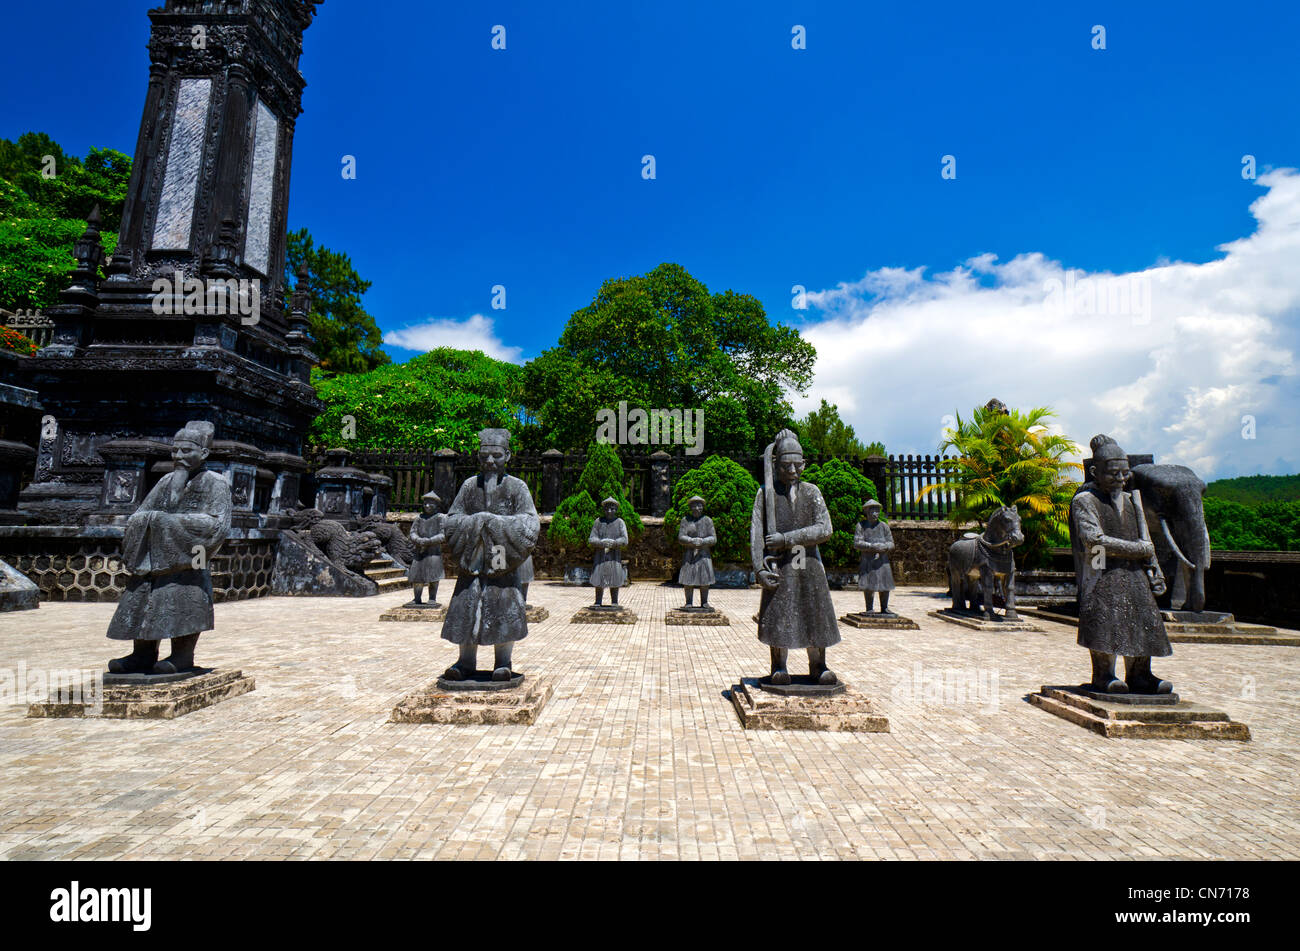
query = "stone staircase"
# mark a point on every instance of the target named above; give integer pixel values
(386, 573)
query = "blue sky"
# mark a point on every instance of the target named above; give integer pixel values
(775, 166)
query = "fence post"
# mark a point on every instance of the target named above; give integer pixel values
(874, 468)
(660, 490)
(444, 475)
(552, 464)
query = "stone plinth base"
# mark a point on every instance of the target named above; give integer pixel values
(411, 612)
(876, 619)
(1188, 627)
(1138, 717)
(604, 615)
(535, 613)
(141, 697)
(845, 711)
(976, 621)
(468, 703)
(693, 615)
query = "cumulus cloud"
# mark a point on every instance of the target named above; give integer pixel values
(1179, 360)
(473, 333)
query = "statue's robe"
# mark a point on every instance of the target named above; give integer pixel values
(1117, 609)
(798, 612)
(426, 563)
(697, 563)
(526, 573)
(607, 569)
(874, 572)
(166, 596)
(490, 532)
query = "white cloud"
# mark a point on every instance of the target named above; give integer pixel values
(1167, 360)
(472, 333)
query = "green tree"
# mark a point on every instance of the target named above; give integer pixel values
(438, 400)
(1011, 459)
(662, 341)
(602, 477)
(347, 339)
(822, 432)
(843, 489)
(728, 491)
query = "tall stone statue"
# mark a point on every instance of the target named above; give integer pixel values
(1118, 576)
(426, 541)
(873, 538)
(491, 529)
(698, 536)
(790, 520)
(167, 547)
(608, 538)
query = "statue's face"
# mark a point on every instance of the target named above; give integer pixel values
(430, 506)
(188, 455)
(789, 468)
(1111, 475)
(611, 509)
(872, 514)
(492, 459)
(697, 509)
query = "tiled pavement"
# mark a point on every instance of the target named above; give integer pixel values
(638, 755)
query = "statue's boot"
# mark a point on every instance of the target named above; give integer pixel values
(690, 597)
(503, 671)
(817, 668)
(884, 605)
(143, 656)
(465, 667)
(704, 597)
(1137, 671)
(1103, 673)
(779, 674)
(182, 656)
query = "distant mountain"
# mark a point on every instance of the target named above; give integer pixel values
(1257, 489)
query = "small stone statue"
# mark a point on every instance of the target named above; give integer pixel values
(426, 540)
(1118, 576)
(698, 537)
(790, 520)
(873, 538)
(491, 530)
(608, 538)
(167, 547)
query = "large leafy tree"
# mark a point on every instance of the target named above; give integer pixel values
(45, 198)
(347, 339)
(822, 432)
(662, 340)
(1010, 458)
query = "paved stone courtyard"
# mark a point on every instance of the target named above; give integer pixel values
(638, 754)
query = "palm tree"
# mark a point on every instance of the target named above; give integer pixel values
(1006, 457)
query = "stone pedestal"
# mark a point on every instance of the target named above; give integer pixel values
(535, 613)
(17, 592)
(892, 622)
(805, 706)
(416, 612)
(694, 615)
(1217, 627)
(975, 621)
(476, 702)
(604, 614)
(147, 697)
(1138, 716)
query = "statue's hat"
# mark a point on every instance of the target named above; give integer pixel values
(695, 498)
(1103, 448)
(786, 444)
(198, 432)
(607, 501)
(871, 504)
(431, 497)
(494, 437)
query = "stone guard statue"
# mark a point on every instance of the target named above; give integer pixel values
(698, 536)
(608, 538)
(426, 540)
(873, 538)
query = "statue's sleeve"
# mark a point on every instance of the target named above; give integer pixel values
(711, 537)
(682, 537)
(135, 538)
(860, 540)
(174, 536)
(594, 538)
(757, 547)
(819, 529)
(1091, 534)
(889, 538)
(456, 525)
(622, 533)
(516, 533)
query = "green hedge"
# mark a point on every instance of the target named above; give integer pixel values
(728, 491)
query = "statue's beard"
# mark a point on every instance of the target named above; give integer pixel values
(491, 479)
(1117, 496)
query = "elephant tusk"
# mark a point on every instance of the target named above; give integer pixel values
(1207, 548)
(1164, 527)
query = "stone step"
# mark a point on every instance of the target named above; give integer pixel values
(392, 584)
(379, 574)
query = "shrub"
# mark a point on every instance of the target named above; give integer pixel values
(602, 477)
(15, 342)
(728, 491)
(844, 488)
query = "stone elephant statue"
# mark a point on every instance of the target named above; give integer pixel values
(1171, 498)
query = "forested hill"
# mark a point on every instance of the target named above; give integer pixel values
(1257, 489)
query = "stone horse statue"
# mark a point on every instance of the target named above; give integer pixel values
(976, 563)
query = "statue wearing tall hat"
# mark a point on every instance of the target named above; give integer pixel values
(789, 521)
(1118, 576)
(491, 529)
(427, 537)
(608, 539)
(167, 548)
(874, 540)
(698, 536)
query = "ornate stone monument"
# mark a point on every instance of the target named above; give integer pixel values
(426, 539)
(697, 536)
(321, 557)
(608, 539)
(981, 566)
(874, 540)
(1119, 578)
(491, 529)
(789, 522)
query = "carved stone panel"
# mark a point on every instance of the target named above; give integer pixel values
(184, 160)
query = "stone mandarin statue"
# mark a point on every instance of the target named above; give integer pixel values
(426, 540)
(167, 547)
(790, 520)
(608, 538)
(1118, 576)
(873, 538)
(698, 537)
(491, 529)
